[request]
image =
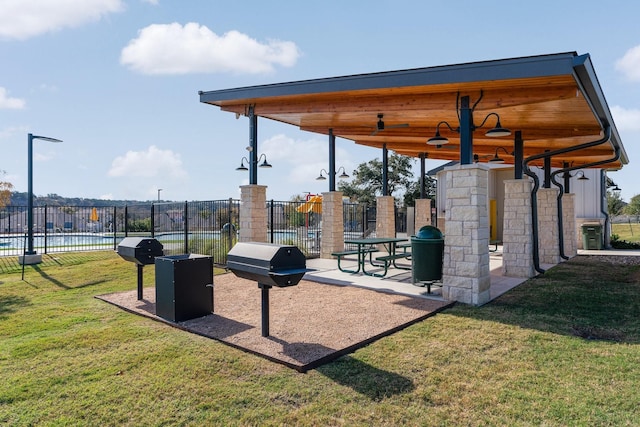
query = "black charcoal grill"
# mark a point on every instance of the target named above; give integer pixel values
(269, 265)
(141, 251)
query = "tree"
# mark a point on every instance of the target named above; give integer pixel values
(615, 204)
(633, 208)
(367, 182)
(413, 192)
(5, 191)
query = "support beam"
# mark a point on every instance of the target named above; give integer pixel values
(466, 132)
(385, 170)
(567, 178)
(332, 161)
(547, 171)
(422, 174)
(518, 153)
(253, 143)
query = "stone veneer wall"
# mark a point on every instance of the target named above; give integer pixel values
(466, 246)
(332, 224)
(385, 217)
(569, 225)
(548, 242)
(253, 213)
(423, 213)
(517, 234)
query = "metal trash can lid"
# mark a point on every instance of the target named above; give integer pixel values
(428, 232)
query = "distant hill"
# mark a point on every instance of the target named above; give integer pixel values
(21, 199)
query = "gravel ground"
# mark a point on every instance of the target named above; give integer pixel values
(310, 323)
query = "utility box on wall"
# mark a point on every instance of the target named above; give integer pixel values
(184, 286)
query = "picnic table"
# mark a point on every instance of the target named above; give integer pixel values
(367, 246)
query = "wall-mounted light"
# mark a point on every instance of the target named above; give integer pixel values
(496, 158)
(495, 132)
(581, 176)
(264, 164)
(343, 175)
(439, 140)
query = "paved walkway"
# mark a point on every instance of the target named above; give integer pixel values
(399, 281)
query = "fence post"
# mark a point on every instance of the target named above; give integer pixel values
(126, 220)
(231, 228)
(186, 227)
(45, 229)
(271, 220)
(153, 220)
(365, 219)
(114, 228)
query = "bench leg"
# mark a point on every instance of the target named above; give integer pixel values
(344, 270)
(385, 266)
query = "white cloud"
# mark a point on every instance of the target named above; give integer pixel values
(626, 119)
(106, 197)
(153, 2)
(629, 64)
(148, 164)
(8, 103)
(192, 48)
(304, 159)
(21, 19)
(14, 130)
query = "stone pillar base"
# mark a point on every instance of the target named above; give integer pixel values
(385, 217)
(29, 259)
(465, 271)
(517, 236)
(423, 213)
(332, 224)
(253, 213)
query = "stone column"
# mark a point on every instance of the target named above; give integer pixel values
(517, 234)
(423, 213)
(466, 245)
(332, 224)
(569, 225)
(385, 217)
(548, 242)
(253, 213)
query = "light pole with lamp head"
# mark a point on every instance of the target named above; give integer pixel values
(30, 256)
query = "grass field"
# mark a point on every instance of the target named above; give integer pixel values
(629, 232)
(561, 349)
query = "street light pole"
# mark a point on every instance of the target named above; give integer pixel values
(30, 255)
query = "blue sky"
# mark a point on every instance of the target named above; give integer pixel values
(118, 81)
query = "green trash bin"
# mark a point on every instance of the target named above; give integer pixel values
(427, 251)
(592, 236)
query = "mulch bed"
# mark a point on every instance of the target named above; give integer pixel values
(310, 324)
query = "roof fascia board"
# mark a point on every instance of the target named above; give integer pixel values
(588, 80)
(504, 69)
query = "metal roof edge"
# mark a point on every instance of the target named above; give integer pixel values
(510, 68)
(586, 75)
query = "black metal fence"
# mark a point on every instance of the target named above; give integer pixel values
(204, 227)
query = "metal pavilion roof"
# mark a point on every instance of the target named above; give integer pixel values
(554, 100)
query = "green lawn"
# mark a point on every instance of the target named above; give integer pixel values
(628, 232)
(561, 349)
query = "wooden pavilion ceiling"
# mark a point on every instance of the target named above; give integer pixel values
(553, 110)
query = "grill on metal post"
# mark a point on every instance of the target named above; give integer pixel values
(269, 265)
(141, 251)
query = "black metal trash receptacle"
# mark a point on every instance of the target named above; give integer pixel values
(592, 236)
(184, 286)
(427, 251)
